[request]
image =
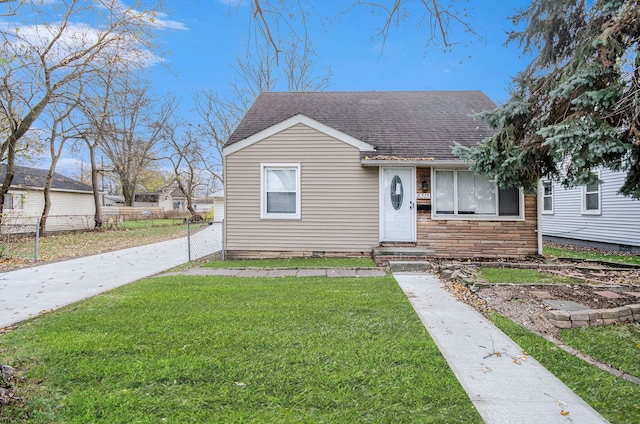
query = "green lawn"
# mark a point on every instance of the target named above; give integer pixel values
(523, 276)
(616, 399)
(617, 345)
(589, 255)
(235, 350)
(295, 263)
(151, 222)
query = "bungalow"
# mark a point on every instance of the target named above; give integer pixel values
(591, 215)
(341, 173)
(72, 204)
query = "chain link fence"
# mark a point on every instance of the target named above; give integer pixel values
(19, 235)
(205, 240)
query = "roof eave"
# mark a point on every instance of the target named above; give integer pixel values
(400, 162)
(290, 122)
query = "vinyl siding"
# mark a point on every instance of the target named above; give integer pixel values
(339, 200)
(69, 210)
(618, 222)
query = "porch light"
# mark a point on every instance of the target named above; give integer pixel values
(425, 185)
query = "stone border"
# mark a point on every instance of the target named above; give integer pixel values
(593, 317)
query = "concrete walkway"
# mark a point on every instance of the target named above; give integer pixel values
(502, 390)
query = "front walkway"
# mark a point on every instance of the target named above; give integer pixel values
(504, 385)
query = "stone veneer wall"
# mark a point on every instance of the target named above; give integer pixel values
(592, 317)
(476, 238)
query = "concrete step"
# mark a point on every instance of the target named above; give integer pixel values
(409, 266)
(402, 251)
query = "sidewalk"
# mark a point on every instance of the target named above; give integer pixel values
(27, 292)
(501, 390)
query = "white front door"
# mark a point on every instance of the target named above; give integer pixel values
(398, 219)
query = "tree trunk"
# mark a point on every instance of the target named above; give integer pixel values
(8, 178)
(190, 208)
(94, 184)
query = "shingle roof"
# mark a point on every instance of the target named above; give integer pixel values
(34, 177)
(404, 124)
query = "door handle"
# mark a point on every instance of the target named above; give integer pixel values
(411, 205)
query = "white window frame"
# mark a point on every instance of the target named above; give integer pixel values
(470, 217)
(545, 196)
(586, 211)
(264, 168)
(15, 195)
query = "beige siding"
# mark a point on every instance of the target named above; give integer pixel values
(339, 198)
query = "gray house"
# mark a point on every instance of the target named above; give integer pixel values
(595, 216)
(341, 173)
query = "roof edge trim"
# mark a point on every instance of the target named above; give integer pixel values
(416, 162)
(290, 122)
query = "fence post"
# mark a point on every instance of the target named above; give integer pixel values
(222, 239)
(188, 240)
(37, 239)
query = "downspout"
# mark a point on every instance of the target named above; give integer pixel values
(539, 211)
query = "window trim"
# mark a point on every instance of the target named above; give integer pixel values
(14, 194)
(544, 196)
(264, 167)
(471, 217)
(583, 198)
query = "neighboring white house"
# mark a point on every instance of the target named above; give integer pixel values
(218, 205)
(594, 216)
(72, 205)
(162, 200)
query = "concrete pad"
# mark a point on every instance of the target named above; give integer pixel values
(502, 390)
(282, 273)
(217, 272)
(565, 305)
(341, 273)
(607, 294)
(311, 272)
(371, 273)
(252, 273)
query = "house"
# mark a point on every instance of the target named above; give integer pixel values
(154, 200)
(72, 203)
(218, 205)
(201, 205)
(592, 216)
(341, 173)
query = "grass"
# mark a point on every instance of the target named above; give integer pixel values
(557, 252)
(203, 349)
(295, 263)
(523, 276)
(616, 399)
(152, 222)
(617, 345)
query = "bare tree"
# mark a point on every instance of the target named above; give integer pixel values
(256, 71)
(134, 128)
(186, 155)
(44, 59)
(272, 18)
(60, 132)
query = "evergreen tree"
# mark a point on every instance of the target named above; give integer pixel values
(576, 107)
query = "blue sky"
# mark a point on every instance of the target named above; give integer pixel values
(200, 55)
(202, 38)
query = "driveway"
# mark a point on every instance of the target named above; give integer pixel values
(28, 292)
